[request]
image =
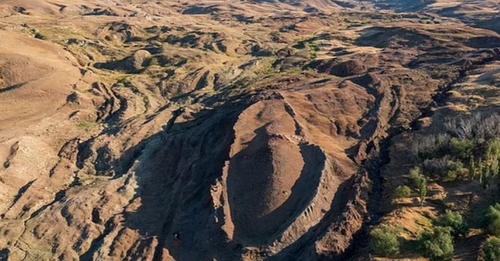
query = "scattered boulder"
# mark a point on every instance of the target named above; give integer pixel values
(137, 61)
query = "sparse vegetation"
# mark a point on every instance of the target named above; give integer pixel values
(265, 68)
(86, 125)
(402, 192)
(469, 149)
(313, 50)
(385, 241)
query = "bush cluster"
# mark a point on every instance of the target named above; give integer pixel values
(455, 221)
(438, 243)
(491, 249)
(385, 241)
(402, 192)
(493, 220)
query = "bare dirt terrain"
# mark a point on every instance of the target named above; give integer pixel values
(243, 130)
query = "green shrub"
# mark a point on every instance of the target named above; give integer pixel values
(40, 36)
(487, 168)
(402, 192)
(455, 170)
(438, 243)
(491, 249)
(313, 50)
(154, 61)
(493, 219)
(384, 241)
(455, 221)
(462, 148)
(492, 156)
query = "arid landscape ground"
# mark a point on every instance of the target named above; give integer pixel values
(249, 130)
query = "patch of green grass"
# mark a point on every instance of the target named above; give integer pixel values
(313, 50)
(58, 34)
(87, 125)
(265, 69)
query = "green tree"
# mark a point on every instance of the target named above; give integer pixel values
(419, 183)
(472, 168)
(492, 158)
(455, 221)
(493, 219)
(438, 243)
(481, 170)
(384, 241)
(491, 249)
